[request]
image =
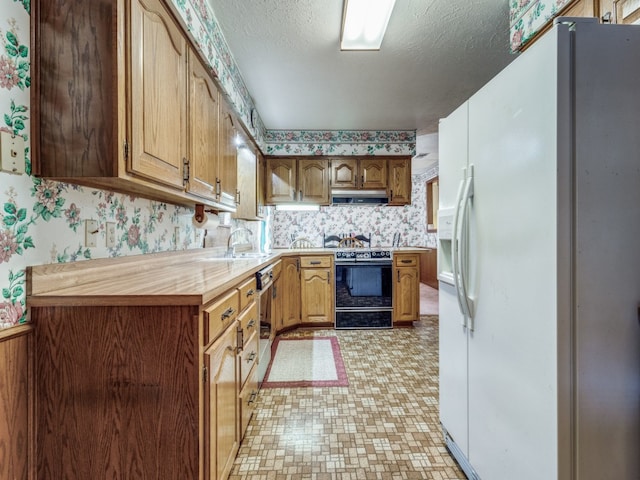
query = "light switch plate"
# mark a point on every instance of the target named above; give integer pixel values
(12, 153)
(177, 236)
(111, 234)
(90, 233)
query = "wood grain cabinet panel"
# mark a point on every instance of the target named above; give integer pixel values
(359, 173)
(139, 115)
(204, 110)
(290, 282)
(158, 94)
(16, 403)
(281, 180)
(290, 180)
(317, 289)
(221, 403)
(406, 287)
(227, 189)
(117, 392)
(400, 181)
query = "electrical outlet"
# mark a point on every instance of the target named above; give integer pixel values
(111, 234)
(90, 233)
(11, 153)
(177, 236)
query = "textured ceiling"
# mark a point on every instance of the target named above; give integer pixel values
(435, 54)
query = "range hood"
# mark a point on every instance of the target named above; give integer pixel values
(359, 197)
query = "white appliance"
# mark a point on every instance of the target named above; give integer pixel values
(539, 262)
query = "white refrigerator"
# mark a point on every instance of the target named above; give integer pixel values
(539, 263)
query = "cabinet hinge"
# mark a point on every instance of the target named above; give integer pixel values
(205, 374)
(126, 150)
(185, 171)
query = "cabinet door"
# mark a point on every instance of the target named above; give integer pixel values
(227, 166)
(344, 173)
(399, 181)
(158, 94)
(222, 404)
(313, 181)
(373, 173)
(280, 180)
(290, 312)
(260, 195)
(316, 295)
(406, 285)
(203, 130)
(247, 168)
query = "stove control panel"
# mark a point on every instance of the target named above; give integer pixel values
(363, 254)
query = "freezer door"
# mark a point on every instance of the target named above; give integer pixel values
(512, 272)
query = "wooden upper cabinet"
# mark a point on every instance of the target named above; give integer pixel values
(250, 199)
(373, 173)
(344, 173)
(158, 94)
(140, 115)
(362, 173)
(280, 180)
(203, 130)
(400, 181)
(227, 168)
(313, 181)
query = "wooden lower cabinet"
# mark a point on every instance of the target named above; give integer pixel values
(221, 403)
(289, 293)
(317, 289)
(118, 392)
(429, 267)
(406, 287)
(16, 403)
(144, 391)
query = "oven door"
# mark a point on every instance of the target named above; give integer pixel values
(363, 294)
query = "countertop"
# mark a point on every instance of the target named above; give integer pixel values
(192, 277)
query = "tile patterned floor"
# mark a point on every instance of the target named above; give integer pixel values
(384, 425)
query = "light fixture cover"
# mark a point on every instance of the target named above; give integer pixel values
(364, 23)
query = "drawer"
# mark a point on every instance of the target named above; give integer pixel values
(221, 314)
(248, 357)
(249, 322)
(248, 293)
(248, 398)
(406, 260)
(311, 262)
(276, 269)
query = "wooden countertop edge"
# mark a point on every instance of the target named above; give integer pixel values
(153, 279)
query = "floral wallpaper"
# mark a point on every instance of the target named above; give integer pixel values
(42, 221)
(382, 222)
(340, 142)
(527, 17)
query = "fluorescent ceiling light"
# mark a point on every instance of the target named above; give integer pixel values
(364, 23)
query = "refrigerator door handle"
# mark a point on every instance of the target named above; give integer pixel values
(455, 248)
(463, 251)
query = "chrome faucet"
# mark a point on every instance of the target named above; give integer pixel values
(231, 245)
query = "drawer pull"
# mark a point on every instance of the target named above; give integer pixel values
(406, 261)
(252, 357)
(251, 323)
(252, 398)
(251, 293)
(315, 262)
(227, 313)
